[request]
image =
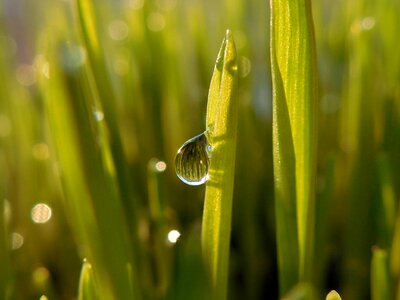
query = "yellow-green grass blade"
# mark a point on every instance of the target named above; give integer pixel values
(381, 287)
(221, 132)
(294, 77)
(92, 201)
(5, 275)
(86, 16)
(301, 291)
(333, 295)
(88, 289)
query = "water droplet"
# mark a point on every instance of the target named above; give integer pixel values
(192, 160)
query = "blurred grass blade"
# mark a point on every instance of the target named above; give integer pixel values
(294, 77)
(395, 245)
(302, 291)
(398, 290)
(333, 295)
(189, 270)
(97, 69)
(88, 289)
(395, 250)
(102, 82)
(161, 253)
(222, 127)
(386, 212)
(92, 199)
(5, 274)
(381, 288)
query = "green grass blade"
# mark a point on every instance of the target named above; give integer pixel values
(161, 251)
(85, 10)
(386, 211)
(293, 59)
(88, 289)
(222, 126)
(381, 288)
(189, 270)
(92, 200)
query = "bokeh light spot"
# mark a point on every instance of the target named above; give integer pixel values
(98, 115)
(245, 66)
(118, 30)
(155, 21)
(368, 23)
(41, 213)
(120, 66)
(41, 151)
(136, 4)
(161, 166)
(173, 236)
(17, 240)
(41, 276)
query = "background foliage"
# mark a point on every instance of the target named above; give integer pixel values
(80, 127)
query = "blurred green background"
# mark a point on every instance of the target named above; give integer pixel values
(84, 125)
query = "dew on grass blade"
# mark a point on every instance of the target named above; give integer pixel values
(192, 160)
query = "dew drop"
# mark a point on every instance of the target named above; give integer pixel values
(192, 160)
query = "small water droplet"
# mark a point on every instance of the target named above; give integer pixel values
(192, 160)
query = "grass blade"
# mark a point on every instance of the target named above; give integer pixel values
(395, 250)
(294, 76)
(5, 275)
(333, 295)
(88, 289)
(221, 126)
(380, 277)
(91, 194)
(102, 83)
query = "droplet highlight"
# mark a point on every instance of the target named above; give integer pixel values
(192, 160)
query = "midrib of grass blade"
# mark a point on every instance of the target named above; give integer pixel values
(293, 59)
(221, 125)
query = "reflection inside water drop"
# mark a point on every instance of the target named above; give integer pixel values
(192, 160)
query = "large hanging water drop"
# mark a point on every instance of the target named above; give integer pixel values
(192, 160)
